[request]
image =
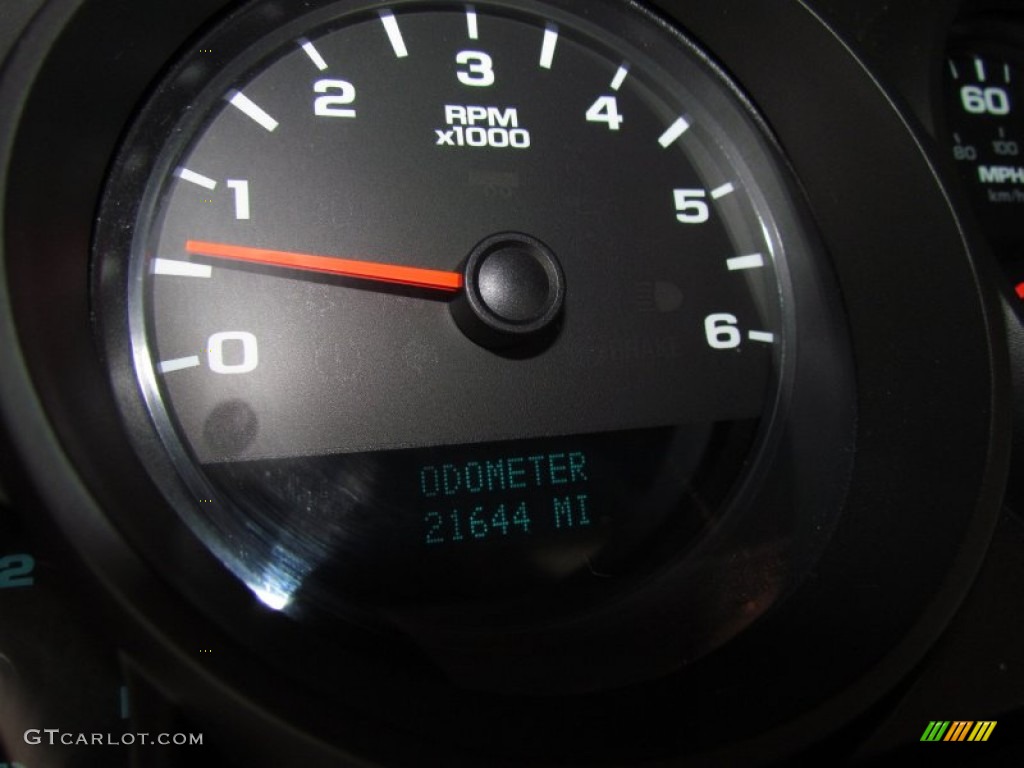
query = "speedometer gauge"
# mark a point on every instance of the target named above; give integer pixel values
(983, 121)
(452, 318)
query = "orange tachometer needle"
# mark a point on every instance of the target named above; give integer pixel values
(435, 279)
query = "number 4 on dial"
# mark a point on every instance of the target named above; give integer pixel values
(605, 110)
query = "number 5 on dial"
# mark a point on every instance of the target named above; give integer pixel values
(691, 207)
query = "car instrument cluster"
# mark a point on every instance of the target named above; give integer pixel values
(513, 383)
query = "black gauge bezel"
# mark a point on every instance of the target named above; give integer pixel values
(993, 24)
(837, 644)
(763, 520)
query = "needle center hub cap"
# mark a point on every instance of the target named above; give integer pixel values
(514, 284)
(514, 290)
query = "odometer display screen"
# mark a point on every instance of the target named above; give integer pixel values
(504, 531)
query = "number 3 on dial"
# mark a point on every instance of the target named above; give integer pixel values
(480, 72)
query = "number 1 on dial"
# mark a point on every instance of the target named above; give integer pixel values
(241, 189)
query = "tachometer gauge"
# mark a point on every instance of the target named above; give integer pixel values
(453, 318)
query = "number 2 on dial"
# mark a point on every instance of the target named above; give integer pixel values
(339, 93)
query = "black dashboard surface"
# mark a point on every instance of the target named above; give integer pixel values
(853, 599)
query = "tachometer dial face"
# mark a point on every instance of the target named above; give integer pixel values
(454, 315)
